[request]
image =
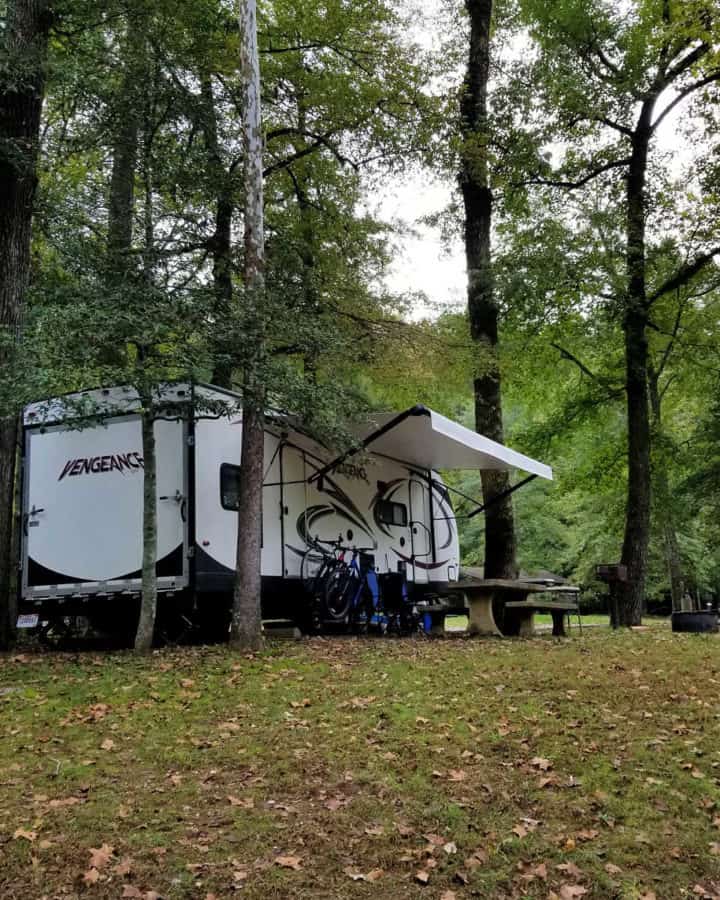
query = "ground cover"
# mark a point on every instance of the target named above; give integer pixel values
(351, 768)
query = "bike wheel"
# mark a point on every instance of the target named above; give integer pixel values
(338, 594)
(310, 566)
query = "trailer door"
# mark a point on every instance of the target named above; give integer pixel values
(420, 536)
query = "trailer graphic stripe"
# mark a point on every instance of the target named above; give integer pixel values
(40, 576)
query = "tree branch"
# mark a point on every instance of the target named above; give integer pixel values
(685, 63)
(579, 363)
(684, 274)
(685, 92)
(573, 185)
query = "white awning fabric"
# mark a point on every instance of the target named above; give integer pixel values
(430, 441)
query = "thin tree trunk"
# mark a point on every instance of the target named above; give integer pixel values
(148, 602)
(221, 244)
(22, 87)
(500, 541)
(246, 625)
(630, 594)
(662, 497)
(129, 105)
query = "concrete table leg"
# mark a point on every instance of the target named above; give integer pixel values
(480, 615)
(519, 622)
(558, 617)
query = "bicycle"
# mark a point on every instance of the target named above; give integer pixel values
(316, 567)
(352, 592)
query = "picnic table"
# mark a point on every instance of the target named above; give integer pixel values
(512, 599)
(479, 594)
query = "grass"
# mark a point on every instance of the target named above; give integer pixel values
(580, 768)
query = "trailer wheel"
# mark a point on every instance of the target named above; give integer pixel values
(63, 632)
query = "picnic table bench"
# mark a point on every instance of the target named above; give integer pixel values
(510, 599)
(519, 617)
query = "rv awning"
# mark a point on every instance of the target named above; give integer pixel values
(425, 438)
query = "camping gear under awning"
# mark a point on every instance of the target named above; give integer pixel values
(425, 438)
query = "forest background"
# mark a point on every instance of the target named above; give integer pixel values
(136, 261)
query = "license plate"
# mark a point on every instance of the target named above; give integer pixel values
(29, 620)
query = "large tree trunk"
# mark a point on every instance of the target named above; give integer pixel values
(246, 625)
(662, 500)
(629, 596)
(500, 549)
(148, 601)
(22, 86)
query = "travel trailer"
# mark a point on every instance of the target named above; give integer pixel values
(83, 494)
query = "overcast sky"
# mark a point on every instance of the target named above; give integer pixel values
(422, 264)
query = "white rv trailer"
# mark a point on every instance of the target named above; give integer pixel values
(82, 502)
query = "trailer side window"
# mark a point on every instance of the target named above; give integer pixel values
(390, 513)
(230, 486)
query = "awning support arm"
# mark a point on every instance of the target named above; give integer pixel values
(418, 410)
(501, 496)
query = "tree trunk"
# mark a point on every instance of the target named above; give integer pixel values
(662, 498)
(221, 244)
(148, 602)
(22, 87)
(129, 105)
(246, 626)
(500, 547)
(630, 594)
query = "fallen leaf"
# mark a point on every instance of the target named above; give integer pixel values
(129, 890)
(375, 831)
(92, 876)
(569, 868)
(450, 848)
(478, 858)
(422, 876)
(243, 802)
(448, 895)
(435, 839)
(541, 763)
(612, 869)
(100, 856)
(587, 834)
(22, 833)
(124, 867)
(571, 891)
(107, 744)
(289, 862)
(457, 775)
(68, 801)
